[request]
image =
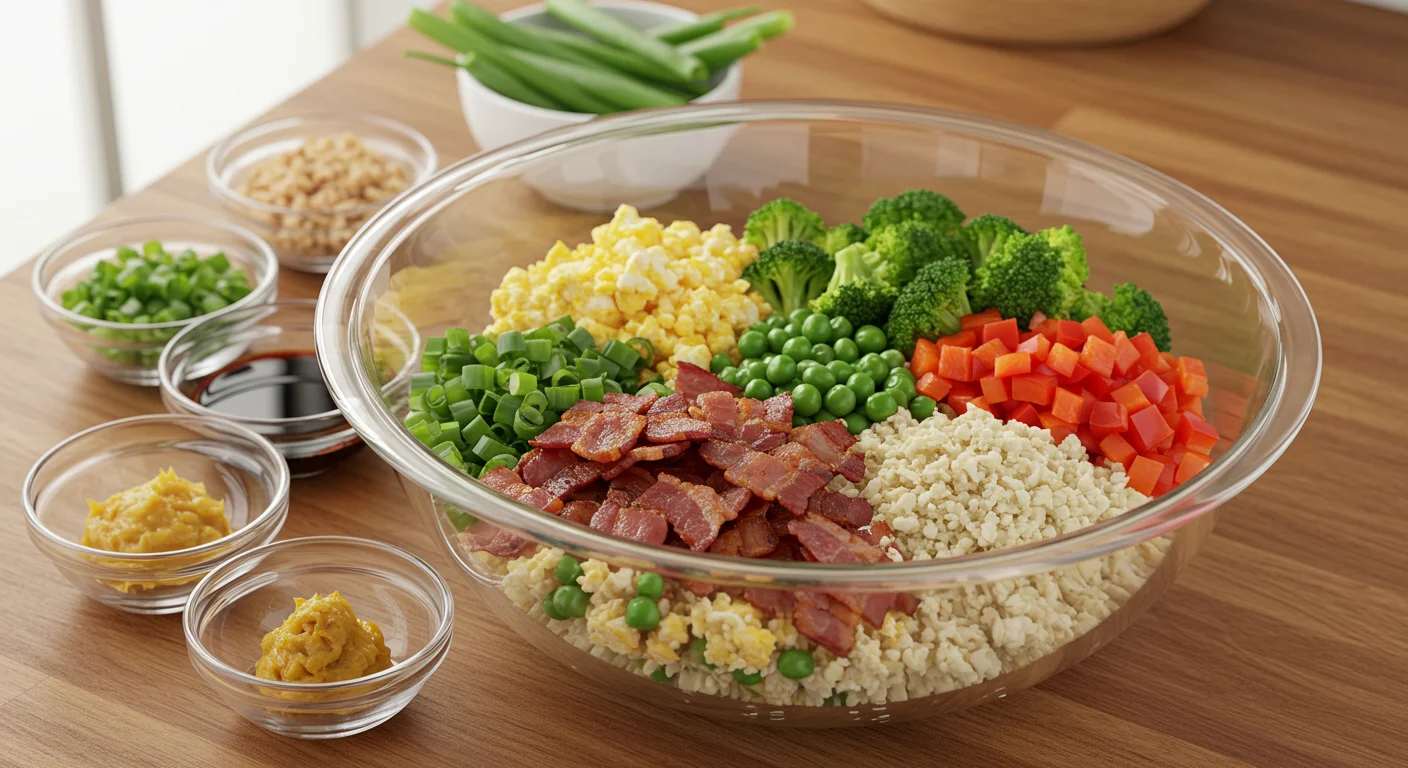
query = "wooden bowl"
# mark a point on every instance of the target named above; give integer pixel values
(1042, 22)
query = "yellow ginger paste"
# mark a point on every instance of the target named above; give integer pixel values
(322, 641)
(164, 514)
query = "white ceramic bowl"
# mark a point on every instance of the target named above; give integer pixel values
(643, 172)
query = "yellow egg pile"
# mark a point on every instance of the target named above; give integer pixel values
(676, 286)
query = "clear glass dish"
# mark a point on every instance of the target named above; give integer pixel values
(128, 352)
(237, 604)
(311, 443)
(308, 239)
(438, 252)
(235, 464)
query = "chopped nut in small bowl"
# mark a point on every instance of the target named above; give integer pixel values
(306, 184)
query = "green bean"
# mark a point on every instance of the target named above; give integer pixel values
(613, 31)
(492, 77)
(769, 25)
(621, 90)
(707, 23)
(718, 52)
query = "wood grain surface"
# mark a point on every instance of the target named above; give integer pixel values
(1281, 645)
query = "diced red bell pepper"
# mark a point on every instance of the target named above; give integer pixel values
(1014, 364)
(1173, 418)
(995, 390)
(1195, 434)
(1038, 317)
(959, 401)
(1098, 385)
(933, 386)
(1045, 370)
(1087, 405)
(1143, 474)
(977, 320)
(1166, 475)
(1191, 464)
(980, 402)
(1094, 326)
(925, 358)
(1004, 331)
(1047, 328)
(989, 351)
(960, 339)
(1066, 405)
(1147, 429)
(1148, 350)
(1037, 346)
(1153, 387)
(1192, 379)
(1034, 388)
(1088, 441)
(1108, 418)
(1131, 397)
(1169, 402)
(1025, 413)
(1160, 365)
(1116, 448)
(1190, 404)
(1076, 376)
(955, 363)
(1070, 333)
(1126, 354)
(1062, 359)
(1099, 356)
(1059, 429)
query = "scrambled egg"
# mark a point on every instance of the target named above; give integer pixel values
(675, 286)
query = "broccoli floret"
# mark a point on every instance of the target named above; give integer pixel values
(1131, 309)
(790, 274)
(840, 236)
(897, 252)
(782, 219)
(854, 292)
(930, 306)
(1074, 269)
(1088, 304)
(915, 205)
(1021, 278)
(986, 232)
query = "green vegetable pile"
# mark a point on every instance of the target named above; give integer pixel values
(612, 67)
(153, 286)
(834, 370)
(916, 265)
(479, 399)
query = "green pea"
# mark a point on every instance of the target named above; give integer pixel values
(776, 321)
(551, 609)
(758, 389)
(823, 353)
(922, 407)
(798, 420)
(803, 365)
(874, 365)
(747, 678)
(901, 397)
(753, 343)
(904, 373)
(862, 384)
(697, 648)
(570, 601)
(817, 328)
(799, 315)
(880, 406)
(841, 328)
(719, 362)
(841, 369)
(753, 369)
(796, 664)
(840, 400)
(856, 422)
(818, 376)
(760, 327)
(893, 357)
(870, 339)
(787, 386)
(729, 375)
(768, 356)
(806, 399)
(660, 675)
(782, 369)
(642, 614)
(567, 570)
(824, 415)
(650, 585)
(797, 348)
(777, 337)
(793, 329)
(846, 350)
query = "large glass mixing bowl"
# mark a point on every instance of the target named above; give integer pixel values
(437, 252)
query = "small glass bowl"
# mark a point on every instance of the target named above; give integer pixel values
(238, 603)
(128, 352)
(235, 464)
(310, 443)
(309, 239)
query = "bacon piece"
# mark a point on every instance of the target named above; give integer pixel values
(735, 499)
(760, 473)
(540, 464)
(694, 511)
(620, 401)
(641, 525)
(573, 477)
(687, 463)
(579, 512)
(644, 453)
(877, 530)
(720, 410)
(814, 617)
(779, 518)
(756, 536)
(559, 435)
(542, 499)
(585, 406)
(906, 603)
(830, 543)
(604, 518)
(699, 588)
(723, 455)
(693, 381)
(796, 490)
(729, 542)
(495, 541)
(772, 602)
(869, 606)
(798, 456)
(831, 443)
(776, 412)
(787, 549)
(508, 483)
(840, 508)
(668, 405)
(595, 493)
(763, 474)
(673, 427)
(632, 484)
(623, 492)
(577, 418)
(607, 436)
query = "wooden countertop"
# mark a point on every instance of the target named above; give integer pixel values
(1281, 645)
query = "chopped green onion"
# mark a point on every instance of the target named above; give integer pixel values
(478, 376)
(450, 430)
(487, 448)
(656, 387)
(457, 338)
(502, 460)
(566, 321)
(508, 405)
(449, 453)
(503, 432)
(620, 354)
(415, 417)
(417, 402)
(581, 339)
(613, 369)
(565, 378)
(562, 398)
(589, 367)
(535, 399)
(539, 350)
(422, 381)
(488, 403)
(487, 353)
(645, 349)
(464, 411)
(549, 333)
(593, 390)
(511, 344)
(455, 390)
(521, 383)
(435, 346)
(475, 429)
(436, 401)
(528, 422)
(612, 385)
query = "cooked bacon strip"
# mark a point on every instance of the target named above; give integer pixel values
(772, 602)
(576, 418)
(607, 436)
(595, 493)
(699, 588)
(779, 518)
(579, 512)
(604, 518)
(559, 435)
(906, 603)
(623, 492)
(776, 412)
(796, 490)
(798, 456)
(632, 483)
(756, 536)
(573, 477)
(585, 406)
(813, 616)
(673, 427)
(729, 543)
(641, 525)
(687, 463)
(840, 508)
(644, 453)
(735, 499)
(830, 543)
(723, 455)
(694, 511)
(831, 443)
(495, 541)
(540, 464)
(720, 410)
(877, 530)
(787, 549)
(508, 483)
(620, 401)
(669, 404)
(542, 499)
(693, 381)
(869, 606)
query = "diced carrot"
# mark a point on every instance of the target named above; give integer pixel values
(960, 339)
(1116, 448)
(1126, 354)
(1025, 413)
(933, 386)
(925, 358)
(1038, 346)
(1148, 350)
(995, 390)
(1047, 328)
(1131, 397)
(1087, 405)
(1192, 380)
(1098, 355)
(1144, 474)
(1014, 364)
(1035, 388)
(977, 320)
(1169, 402)
(1059, 429)
(955, 363)
(1003, 330)
(1098, 385)
(1062, 359)
(1195, 434)
(1070, 333)
(988, 353)
(1165, 481)
(1094, 326)
(1191, 464)
(980, 402)
(1108, 418)
(1190, 404)
(1088, 441)
(1153, 387)
(1066, 405)
(1147, 429)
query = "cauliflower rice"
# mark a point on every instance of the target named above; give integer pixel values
(947, 487)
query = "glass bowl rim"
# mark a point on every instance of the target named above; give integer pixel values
(227, 194)
(259, 295)
(278, 499)
(345, 296)
(413, 664)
